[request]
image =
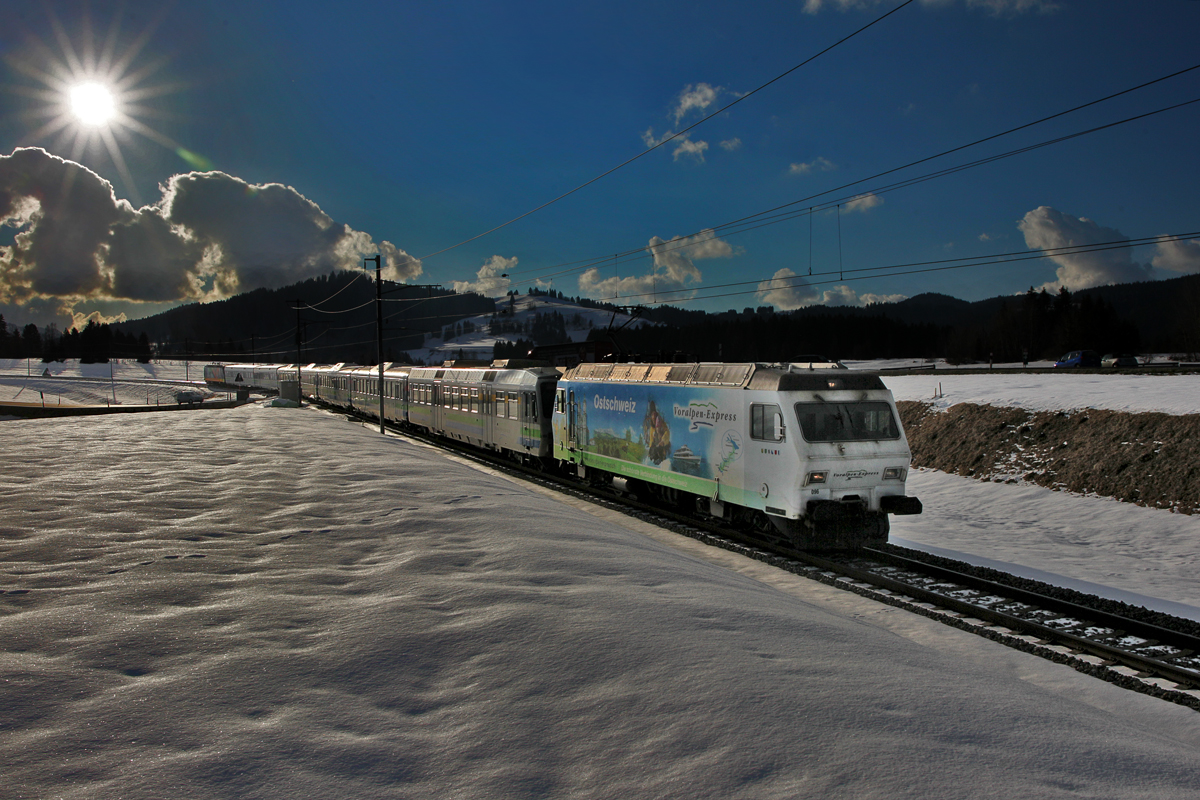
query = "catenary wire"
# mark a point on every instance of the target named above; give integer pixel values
(673, 136)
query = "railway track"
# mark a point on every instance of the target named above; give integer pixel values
(1146, 652)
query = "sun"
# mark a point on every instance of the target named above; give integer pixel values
(93, 103)
(90, 96)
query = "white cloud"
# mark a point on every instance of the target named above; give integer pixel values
(673, 270)
(731, 144)
(686, 147)
(489, 280)
(997, 8)
(209, 235)
(864, 202)
(870, 298)
(1178, 255)
(79, 321)
(819, 164)
(788, 291)
(1046, 228)
(695, 97)
(653, 141)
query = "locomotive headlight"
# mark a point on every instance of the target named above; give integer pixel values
(893, 474)
(815, 477)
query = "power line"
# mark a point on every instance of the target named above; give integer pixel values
(928, 266)
(594, 261)
(674, 136)
(779, 214)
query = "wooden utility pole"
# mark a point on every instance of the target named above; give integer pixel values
(379, 327)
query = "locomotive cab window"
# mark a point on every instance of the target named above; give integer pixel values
(847, 422)
(766, 422)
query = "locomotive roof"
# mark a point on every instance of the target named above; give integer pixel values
(740, 375)
(520, 375)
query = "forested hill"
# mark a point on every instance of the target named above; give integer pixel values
(1156, 316)
(336, 321)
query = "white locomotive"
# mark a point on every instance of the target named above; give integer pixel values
(816, 457)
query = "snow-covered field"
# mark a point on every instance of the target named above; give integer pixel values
(1170, 394)
(265, 602)
(72, 383)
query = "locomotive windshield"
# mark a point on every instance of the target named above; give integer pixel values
(846, 422)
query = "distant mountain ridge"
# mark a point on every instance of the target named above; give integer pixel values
(338, 313)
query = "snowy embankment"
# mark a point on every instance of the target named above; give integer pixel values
(1145, 556)
(277, 603)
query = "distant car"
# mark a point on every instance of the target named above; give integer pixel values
(1079, 358)
(1120, 362)
(188, 396)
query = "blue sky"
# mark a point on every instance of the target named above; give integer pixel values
(408, 128)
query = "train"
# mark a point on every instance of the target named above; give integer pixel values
(814, 458)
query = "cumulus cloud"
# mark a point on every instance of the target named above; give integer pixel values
(209, 235)
(1178, 255)
(686, 147)
(787, 291)
(64, 213)
(695, 97)
(1046, 228)
(672, 272)
(489, 280)
(864, 202)
(997, 8)
(819, 164)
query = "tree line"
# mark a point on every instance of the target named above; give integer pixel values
(1033, 326)
(97, 343)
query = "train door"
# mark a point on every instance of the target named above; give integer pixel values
(571, 419)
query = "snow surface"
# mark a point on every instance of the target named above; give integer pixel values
(1170, 394)
(522, 310)
(263, 602)
(120, 369)
(1144, 556)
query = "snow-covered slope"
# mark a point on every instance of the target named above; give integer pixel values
(515, 316)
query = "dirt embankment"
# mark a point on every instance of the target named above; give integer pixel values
(1148, 459)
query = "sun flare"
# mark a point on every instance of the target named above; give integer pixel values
(92, 95)
(93, 103)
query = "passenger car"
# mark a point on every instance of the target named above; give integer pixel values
(1122, 361)
(1079, 358)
